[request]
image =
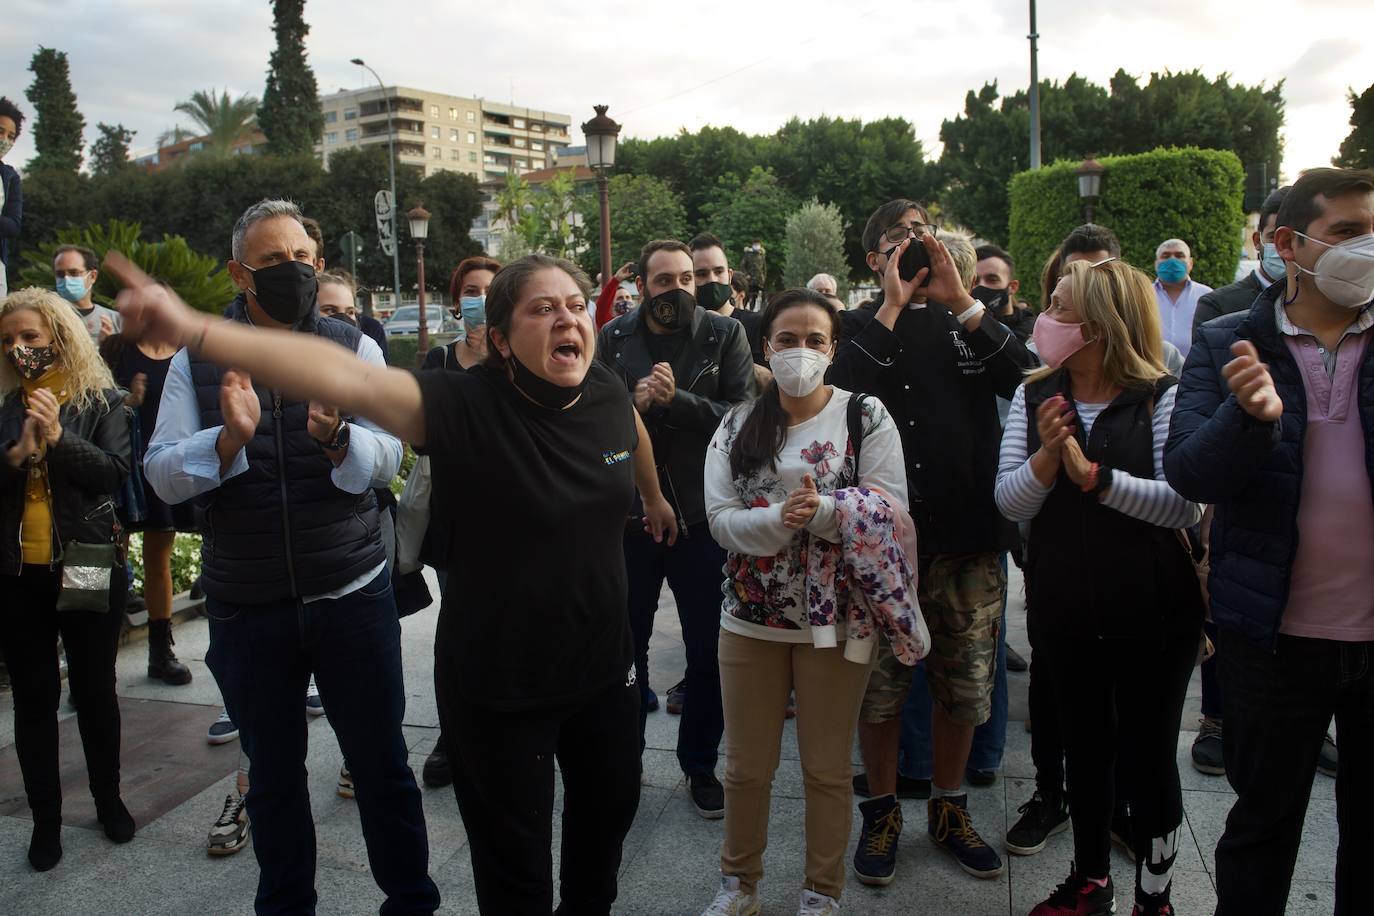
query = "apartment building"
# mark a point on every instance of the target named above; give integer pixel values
(434, 132)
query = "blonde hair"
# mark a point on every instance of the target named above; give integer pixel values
(340, 277)
(1118, 301)
(962, 252)
(87, 374)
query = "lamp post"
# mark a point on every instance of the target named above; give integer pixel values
(1089, 185)
(1034, 37)
(601, 133)
(391, 159)
(419, 231)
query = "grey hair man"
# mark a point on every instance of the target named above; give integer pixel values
(1176, 293)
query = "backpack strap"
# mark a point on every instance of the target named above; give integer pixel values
(854, 417)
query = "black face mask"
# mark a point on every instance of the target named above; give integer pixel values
(285, 291)
(994, 299)
(542, 391)
(913, 259)
(711, 296)
(673, 309)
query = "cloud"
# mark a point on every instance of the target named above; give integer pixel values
(1316, 75)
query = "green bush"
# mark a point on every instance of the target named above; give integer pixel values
(185, 561)
(1191, 194)
(400, 351)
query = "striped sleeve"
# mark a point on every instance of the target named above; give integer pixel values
(1019, 495)
(1152, 501)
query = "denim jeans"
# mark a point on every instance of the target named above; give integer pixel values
(989, 739)
(694, 568)
(262, 656)
(1278, 704)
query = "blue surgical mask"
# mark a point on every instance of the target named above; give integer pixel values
(474, 310)
(73, 289)
(1171, 270)
(1273, 264)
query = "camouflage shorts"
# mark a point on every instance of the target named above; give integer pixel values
(961, 599)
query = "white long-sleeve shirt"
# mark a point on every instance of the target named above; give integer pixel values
(1020, 496)
(745, 515)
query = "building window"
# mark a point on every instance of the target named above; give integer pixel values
(438, 153)
(453, 135)
(453, 114)
(518, 123)
(472, 137)
(350, 114)
(472, 117)
(434, 132)
(520, 142)
(434, 111)
(330, 117)
(489, 158)
(472, 155)
(351, 135)
(535, 144)
(522, 163)
(332, 137)
(537, 127)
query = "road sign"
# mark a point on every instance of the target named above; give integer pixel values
(386, 224)
(351, 244)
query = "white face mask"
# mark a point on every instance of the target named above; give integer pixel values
(798, 370)
(5, 147)
(1344, 272)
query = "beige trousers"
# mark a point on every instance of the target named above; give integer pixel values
(756, 676)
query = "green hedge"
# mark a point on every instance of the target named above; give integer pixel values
(1192, 194)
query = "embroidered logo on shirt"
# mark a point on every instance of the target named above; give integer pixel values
(614, 458)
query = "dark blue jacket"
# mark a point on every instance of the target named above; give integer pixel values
(12, 216)
(1251, 471)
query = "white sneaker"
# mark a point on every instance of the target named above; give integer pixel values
(731, 901)
(313, 704)
(814, 904)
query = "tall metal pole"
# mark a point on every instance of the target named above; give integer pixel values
(422, 345)
(1034, 37)
(395, 203)
(603, 184)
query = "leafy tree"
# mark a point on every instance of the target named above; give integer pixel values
(53, 199)
(290, 115)
(199, 279)
(454, 200)
(223, 121)
(513, 210)
(815, 244)
(1357, 150)
(110, 151)
(173, 135)
(741, 211)
(643, 208)
(57, 126)
(692, 163)
(554, 212)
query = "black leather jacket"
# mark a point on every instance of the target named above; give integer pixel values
(85, 471)
(714, 371)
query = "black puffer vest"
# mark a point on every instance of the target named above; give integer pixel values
(282, 529)
(1094, 571)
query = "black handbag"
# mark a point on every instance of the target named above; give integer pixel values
(86, 571)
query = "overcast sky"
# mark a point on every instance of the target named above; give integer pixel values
(662, 67)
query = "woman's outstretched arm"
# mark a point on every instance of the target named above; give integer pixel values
(301, 365)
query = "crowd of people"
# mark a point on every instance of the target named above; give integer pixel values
(832, 495)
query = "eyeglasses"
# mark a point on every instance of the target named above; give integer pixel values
(898, 234)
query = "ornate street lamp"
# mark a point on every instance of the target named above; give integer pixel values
(1089, 185)
(419, 231)
(601, 133)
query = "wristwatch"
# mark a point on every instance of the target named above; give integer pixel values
(340, 440)
(1104, 481)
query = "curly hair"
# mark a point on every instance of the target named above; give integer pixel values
(86, 371)
(10, 110)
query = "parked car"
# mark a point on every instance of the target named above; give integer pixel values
(406, 320)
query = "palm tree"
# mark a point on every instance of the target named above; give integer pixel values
(223, 120)
(173, 135)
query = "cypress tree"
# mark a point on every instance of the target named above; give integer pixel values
(57, 124)
(290, 113)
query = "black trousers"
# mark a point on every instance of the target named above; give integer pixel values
(1047, 747)
(1278, 704)
(503, 772)
(1121, 696)
(29, 628)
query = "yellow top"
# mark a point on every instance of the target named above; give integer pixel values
(35, 526)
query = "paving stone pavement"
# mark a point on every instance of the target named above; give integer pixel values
(671, 859)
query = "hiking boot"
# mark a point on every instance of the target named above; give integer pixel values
(1078, 896)
(313, 704)
(814, 904)
(731, 901)
(677, 695)
(708, 795)
(437, 773)
(229, 833)
(223, 730)
(1016, 661)
(1326, 761)
(163, 664)
(1046, 814)
(1207, 756)
(875, 858)
(345, 788)
(906, 787)
(951, 828)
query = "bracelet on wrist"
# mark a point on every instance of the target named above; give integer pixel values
(973, 311)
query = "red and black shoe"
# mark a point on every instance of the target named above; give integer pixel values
(1078, 896)
(1154, 909)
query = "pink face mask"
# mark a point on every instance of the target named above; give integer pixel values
(1056, 341)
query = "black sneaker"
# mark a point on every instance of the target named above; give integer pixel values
(949, 825)
(677, 695)
(1326, 761)
(1016, 662)
(708, 795)
(1046, 814)
(875, 858)
(1207, 756)
(1121, 833)
(906, 787)
(436, 773)
(980, 779)
(1078, 896)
